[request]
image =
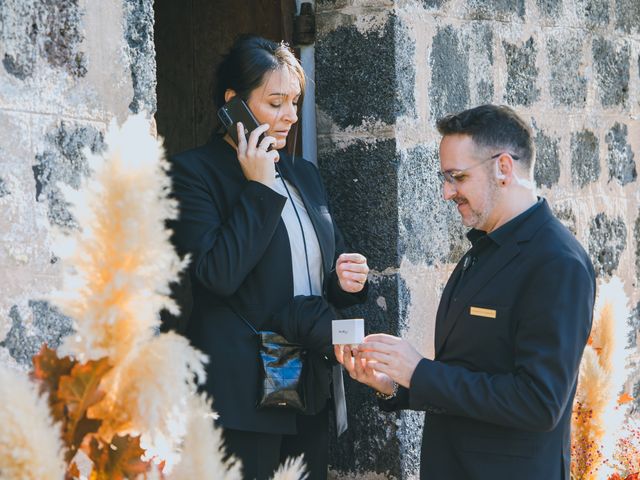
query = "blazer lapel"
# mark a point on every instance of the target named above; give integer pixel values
(449, 313)
(323, 228)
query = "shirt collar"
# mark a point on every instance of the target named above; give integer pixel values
(500, 235)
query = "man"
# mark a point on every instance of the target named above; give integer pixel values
(512, 322)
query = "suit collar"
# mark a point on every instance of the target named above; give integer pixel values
(450, 309)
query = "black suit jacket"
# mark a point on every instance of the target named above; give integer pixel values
(240, 256)
(498, 396)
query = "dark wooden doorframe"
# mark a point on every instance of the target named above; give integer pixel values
(190, 38)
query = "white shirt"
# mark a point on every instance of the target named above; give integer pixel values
(298, 262)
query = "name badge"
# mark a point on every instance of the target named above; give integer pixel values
(482, 312)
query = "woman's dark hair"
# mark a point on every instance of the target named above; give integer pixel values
(493, 126)
(249, 59)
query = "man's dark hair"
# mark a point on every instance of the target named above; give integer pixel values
(493, 126)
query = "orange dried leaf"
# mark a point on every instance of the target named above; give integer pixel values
(624, 398)
(79, 391)
(48, 368)
(122, 459)
(72, 472)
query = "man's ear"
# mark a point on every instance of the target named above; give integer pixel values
(504, 167)
(229, 94)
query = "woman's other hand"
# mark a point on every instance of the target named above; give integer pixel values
(257, 163)
(352, 271)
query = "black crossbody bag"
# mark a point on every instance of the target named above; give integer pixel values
(283, 370)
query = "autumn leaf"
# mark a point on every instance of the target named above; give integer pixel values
(79, 391)
(72, 472)
(48, 368)
(122, 459)
(625, 398)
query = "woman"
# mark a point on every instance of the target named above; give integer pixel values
(263, 246)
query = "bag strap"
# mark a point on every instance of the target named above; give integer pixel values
(228, 304)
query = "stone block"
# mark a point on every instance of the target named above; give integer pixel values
(138, 31)
(567, 85)
(479, 44)
(585, 158)
(4, 191)
(449, 88)
(637, 236)
(496, 9)
(430, 228)
(24, 340)
(594, 13)
(522, 73)
(634, 327)
(63, 161)
(550, 8)
(356, 77)
(622, 165)
(611, 64)
(377, 441)
(567, 218)
(628, 15)
(41, 29)
(607, 241)
(547, 166)
(434, 3)
(362, 183)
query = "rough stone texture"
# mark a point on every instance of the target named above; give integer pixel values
(434, 3)
(607, 241)
(547, 166)
(522, 73)
(595, 13)
(64, 161)
(49, 29)
(568, 85)
(479, 43)
(346, 58)
(628, 15)
(373, 440)
(637, 236)
(634, 327)
(4, 191)
(24, 340)
(430, 228)
(366, 211)
(567, 217)
(585, 160)
(622, 165)
(449, 89)
(611, 62)
(550, 8)
(139, 37)
(405, 74)
(496, 9)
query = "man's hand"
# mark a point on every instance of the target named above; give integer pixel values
(392, 356)
(357, 368)
(352, 271)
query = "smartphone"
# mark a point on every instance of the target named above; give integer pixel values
(234, 111)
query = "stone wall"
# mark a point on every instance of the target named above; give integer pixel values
(68, 68)
(385, 71)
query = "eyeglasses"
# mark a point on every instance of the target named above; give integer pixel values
(454, 177)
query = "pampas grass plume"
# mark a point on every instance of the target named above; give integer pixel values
(118, 266)
(201, 456)
(30, 445)
(293, 469)
(148, 390)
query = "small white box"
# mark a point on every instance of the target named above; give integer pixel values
(347, 332)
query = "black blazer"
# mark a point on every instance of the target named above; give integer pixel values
(240, 255)
(498, 396)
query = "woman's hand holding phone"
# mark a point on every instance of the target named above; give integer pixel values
(257, 162)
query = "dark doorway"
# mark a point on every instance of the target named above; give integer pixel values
(190, 38)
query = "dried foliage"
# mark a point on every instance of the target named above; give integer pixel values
(600, 404)
(30, 445)
(124, 395)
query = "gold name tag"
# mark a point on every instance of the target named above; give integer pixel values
(483, 312)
